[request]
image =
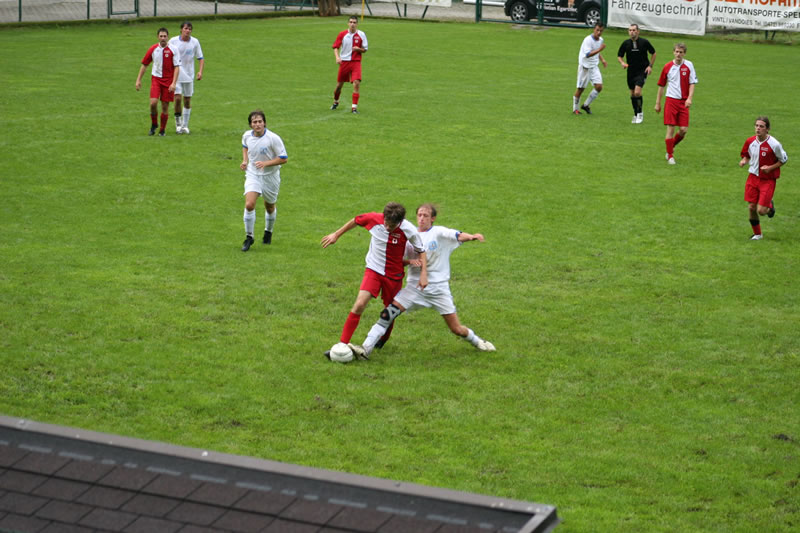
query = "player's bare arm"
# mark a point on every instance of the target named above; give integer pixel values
(243, 166)
(139, 77)
(201, 65)
(603, 60)
(423, 275)
(331, 238)
(466, 237)
(658, 99)
(271, 162)
(174, 80)
(744, 162)
(622, 63)
(769, 168)
(689, 98)
(336, 54)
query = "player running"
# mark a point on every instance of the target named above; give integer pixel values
(765, 156)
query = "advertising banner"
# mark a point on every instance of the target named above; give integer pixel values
(670, 16)
(755, 14)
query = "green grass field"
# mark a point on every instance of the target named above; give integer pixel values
(646, 377)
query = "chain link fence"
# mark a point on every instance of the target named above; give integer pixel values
(57, 10)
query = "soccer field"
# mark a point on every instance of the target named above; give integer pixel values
(647, 365)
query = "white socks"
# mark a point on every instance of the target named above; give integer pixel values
(186, 112)
(270, 219)
(249, 221)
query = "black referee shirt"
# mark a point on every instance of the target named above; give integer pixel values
(635, 53)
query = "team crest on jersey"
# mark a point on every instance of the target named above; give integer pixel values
(763, 154)
(433, 246)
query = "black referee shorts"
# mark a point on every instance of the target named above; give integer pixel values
(636, 79)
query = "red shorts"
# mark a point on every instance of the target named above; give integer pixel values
(676, 113)
(349, 71)
(159, 88)
(758, 191)
(375, 284)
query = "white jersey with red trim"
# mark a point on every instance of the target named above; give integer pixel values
(766, 152)
(677, 79)
(385, 254)
(188, 52)
(439, 243)
(164, 60)
(346, 41)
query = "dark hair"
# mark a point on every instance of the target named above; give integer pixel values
(165, 30)
(599, 25)
(681, 46)
(394, 213)
(633, 24)
(352, 17)
(430, 207)
(763, 119)
(186, 24)
(256, 113)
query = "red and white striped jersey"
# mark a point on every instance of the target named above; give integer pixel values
(385, 254)
(347, 41)
(766, 152)
(164, 61)
(677, 79)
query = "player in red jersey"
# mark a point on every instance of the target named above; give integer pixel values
(348, 48)
(764, 156)
(389, 232)
(166, 67)
(678, 78)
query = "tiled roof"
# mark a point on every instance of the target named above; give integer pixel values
(55, 479)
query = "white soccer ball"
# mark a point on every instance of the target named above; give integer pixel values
(341, 353)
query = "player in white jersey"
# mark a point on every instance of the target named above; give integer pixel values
(588, 70)
(263, 154)
(189, 49)
(439, 242)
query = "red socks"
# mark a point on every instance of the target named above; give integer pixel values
(350, 326)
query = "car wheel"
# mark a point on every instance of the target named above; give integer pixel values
(519, 12)
(591, 16)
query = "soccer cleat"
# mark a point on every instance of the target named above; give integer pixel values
(328, 354)
(185, 130)
(267, 237)
(354, 111)
(248, 242)
(640, 118)
(587, 109)
(358, 351)
(178, 130)
(161, 133)
(334, 106)
(152, 130)
(576, 112)
(486, 346)
(670, 159)
(756, 237)
(771, 212)
(635, 119)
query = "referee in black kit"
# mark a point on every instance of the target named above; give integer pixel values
(635, 51)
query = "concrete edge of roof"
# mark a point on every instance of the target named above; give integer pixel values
(543, 517)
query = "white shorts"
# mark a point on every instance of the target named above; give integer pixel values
(185, 88)
(585, 75)
(268, 189)
(436, 295)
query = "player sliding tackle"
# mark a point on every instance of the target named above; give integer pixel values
(439, 243)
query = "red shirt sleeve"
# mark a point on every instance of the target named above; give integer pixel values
(662, 80)
(148, 57)
(368, 220)
(339, 38)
